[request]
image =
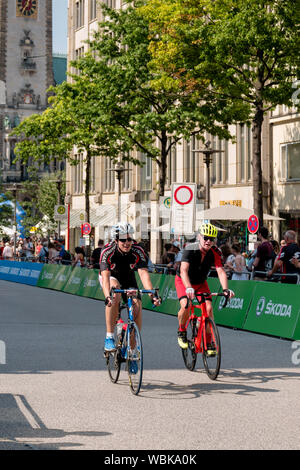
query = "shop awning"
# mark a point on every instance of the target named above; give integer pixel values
(230, 212)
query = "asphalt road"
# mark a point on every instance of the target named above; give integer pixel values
(55, 393)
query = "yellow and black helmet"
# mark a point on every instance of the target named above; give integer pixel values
(209, 230)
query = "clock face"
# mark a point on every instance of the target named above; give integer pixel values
(27, 7)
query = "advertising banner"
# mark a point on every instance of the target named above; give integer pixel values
(90, 284)
(75, 281)
(274, 309)
(17, 271)
(60, 277)
(235, 312)
(47, 276)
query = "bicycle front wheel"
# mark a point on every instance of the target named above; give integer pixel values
(211, 354)
(189, 355)
(113, 360)
(135, 359)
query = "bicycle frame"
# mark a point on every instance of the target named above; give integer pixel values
(201, 319)
(129, 348)
(130, 294)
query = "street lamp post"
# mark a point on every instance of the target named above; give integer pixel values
(208, 153)
(119, 170)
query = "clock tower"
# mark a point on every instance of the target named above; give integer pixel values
(26, 72)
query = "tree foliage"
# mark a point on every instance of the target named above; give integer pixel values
(247, 49)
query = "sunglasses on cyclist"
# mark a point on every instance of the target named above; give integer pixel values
(124, 240)
(206, 238)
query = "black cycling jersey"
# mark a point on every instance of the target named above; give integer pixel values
(122, 265)
(199, 269)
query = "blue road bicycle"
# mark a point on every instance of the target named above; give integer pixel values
(129, 349)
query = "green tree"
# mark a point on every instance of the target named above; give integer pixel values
(6, 212)
(248, 49)
(138, 107)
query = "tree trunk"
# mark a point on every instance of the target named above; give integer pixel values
(163, 164)
(87, 186)
(257, 163)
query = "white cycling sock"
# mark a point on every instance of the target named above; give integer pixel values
(109, 335)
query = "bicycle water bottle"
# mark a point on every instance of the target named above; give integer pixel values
(120, 324)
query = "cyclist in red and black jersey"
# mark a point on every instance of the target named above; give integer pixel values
(118, 262)
(197, 260)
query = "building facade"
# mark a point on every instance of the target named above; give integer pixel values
(26, 72)
(231, 172)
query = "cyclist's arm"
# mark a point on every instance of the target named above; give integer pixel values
(145, 278)
(184, 269)
(222, 277)
(106, 282)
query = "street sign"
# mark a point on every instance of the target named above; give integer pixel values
(183, 208)
(252, 238)
(253, 223)
(60, 212)
(86, 228)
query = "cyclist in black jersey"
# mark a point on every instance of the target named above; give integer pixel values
(118, 262)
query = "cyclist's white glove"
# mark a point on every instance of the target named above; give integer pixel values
(190, 292)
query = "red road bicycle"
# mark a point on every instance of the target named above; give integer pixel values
(203, 337)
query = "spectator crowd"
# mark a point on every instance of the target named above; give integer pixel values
(269, 261)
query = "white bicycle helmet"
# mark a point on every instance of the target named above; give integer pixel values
(121, 228)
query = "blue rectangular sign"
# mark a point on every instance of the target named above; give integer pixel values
(17, 271)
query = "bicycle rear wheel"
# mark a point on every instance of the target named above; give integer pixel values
(113, 360)
(134, 361)
(189, 355)
(212, 360)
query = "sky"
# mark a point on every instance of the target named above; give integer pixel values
(60, 12)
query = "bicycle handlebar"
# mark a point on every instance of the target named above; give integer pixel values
(132, 291)
(208, 294)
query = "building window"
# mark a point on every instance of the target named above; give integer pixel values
(127, 176)
(219, 174)
(109, 175)
(244, 148)
(290, 158)
(79, 14)
(93, 9)
(77, 176)
(146, 173)
(190, 159)
(110, 3)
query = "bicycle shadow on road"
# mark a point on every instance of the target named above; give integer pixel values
(232, 381)
(22, 429)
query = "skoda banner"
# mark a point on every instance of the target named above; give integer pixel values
(274, 310)
(235, 312)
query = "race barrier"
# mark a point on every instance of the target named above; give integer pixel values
(25, 273)
(258, 306)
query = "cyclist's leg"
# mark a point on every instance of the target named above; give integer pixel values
(111, 315)
(137, 312)
(183, 314)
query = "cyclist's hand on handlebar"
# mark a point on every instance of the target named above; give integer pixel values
(190, 292)
(155, 300)
(108, 301)
(228, 293)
